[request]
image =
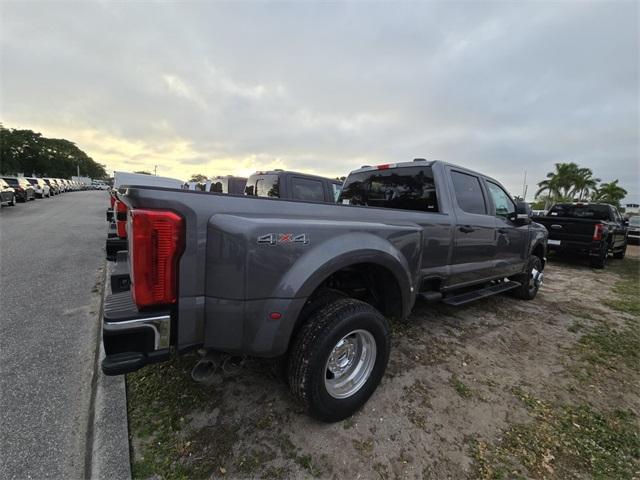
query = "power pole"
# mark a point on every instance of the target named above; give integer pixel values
(155, 170)
(524, 187)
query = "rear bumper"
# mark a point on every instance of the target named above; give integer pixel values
(588, 248)
(114, 245)
(133, 339)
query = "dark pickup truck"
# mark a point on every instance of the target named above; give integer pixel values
(293, 186)
(314, 283)
(594, 229)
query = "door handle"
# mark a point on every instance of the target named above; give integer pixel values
(467, 229)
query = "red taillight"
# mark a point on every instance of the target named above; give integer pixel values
(597, 232)
(155, 244)
(384, 166)
(121, 219)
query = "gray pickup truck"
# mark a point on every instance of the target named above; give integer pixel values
(314, 283)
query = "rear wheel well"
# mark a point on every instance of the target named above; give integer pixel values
(370, 283)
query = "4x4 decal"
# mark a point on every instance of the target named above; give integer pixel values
(280, 238)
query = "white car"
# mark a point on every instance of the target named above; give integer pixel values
(40, 186)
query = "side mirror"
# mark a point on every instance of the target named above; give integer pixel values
(625, 222)
(522, 214)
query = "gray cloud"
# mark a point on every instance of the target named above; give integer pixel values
(501, 87)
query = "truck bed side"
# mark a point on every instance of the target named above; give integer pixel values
(246, 258)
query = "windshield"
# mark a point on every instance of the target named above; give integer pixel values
(595, 212)
(635, 221)
(406, 188)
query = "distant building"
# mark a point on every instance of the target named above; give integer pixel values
(632, 209)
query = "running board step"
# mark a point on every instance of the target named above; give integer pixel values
(461, 299)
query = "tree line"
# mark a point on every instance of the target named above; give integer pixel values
(570, 182)
(28, 152)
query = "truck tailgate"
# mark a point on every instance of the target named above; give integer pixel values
(568, 229)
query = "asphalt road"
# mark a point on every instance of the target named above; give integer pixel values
(51, 264)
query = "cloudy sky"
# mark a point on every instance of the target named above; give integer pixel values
(228, 88)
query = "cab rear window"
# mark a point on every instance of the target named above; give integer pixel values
(405, 188)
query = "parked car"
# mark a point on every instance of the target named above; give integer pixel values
(53, 186)
(23, 189)
(61, 186)
(594, 229)
(293, 186)
(40, 186)
(634, 229)
(7, 193)
(312, 282)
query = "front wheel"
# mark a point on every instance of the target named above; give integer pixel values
(13, 201)
(338, 359)
(530, 280)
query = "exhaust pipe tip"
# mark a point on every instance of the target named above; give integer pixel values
(205, 372)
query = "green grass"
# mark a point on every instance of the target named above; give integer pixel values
(159, 397)
(612, 347)
(461, 389)
(563, 441)
(626, 291)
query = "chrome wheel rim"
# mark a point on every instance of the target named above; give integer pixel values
(350, 364)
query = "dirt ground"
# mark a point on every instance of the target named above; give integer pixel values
(501, 388)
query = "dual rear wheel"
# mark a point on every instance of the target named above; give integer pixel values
(338, 357)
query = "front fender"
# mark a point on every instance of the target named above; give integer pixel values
(538, 239)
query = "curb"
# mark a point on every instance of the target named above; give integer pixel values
(110, 441)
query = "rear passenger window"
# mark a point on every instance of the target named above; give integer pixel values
(306, 189)
(469, 193)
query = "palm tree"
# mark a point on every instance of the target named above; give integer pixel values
(584, 183)
(610, 193)
(559, 183)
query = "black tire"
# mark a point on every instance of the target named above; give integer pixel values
(12, 203)
(319, 300)
(312, 348)
(621, 253)
(600, 261)
(528, 289)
